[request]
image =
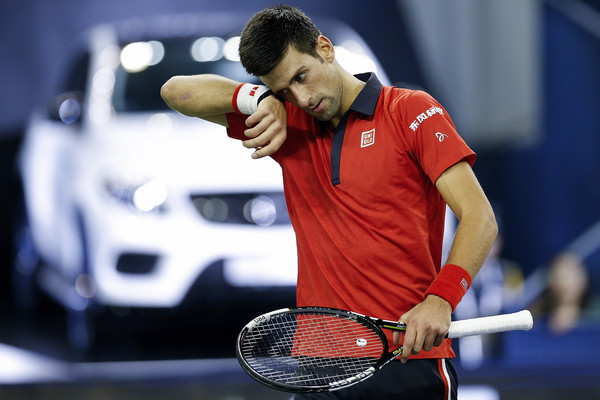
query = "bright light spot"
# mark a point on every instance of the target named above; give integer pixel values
(230, 49)
(109, 57)
(160, 123)
(215, 210)
(69, 111)
(261, 211)
(149, 196)
(136, 57)
(85, 287)
(207, 49)
(100, 111)
(158, 52)
(104, 81)
(353, 62)
(352, 46)
(102, 88)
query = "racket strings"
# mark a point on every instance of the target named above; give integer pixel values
(311, 350)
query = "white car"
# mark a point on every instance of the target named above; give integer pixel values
(129, 204)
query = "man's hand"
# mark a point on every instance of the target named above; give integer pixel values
(426, 326)
(268, 127)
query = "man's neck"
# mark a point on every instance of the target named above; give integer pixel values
(351, 88)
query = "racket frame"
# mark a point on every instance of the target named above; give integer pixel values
(521, 320)
(373, 324)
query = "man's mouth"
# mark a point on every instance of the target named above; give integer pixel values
(317, 108)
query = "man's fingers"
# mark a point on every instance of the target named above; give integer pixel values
(259, 136)
(438, 340)
(254, 119)
(407, 347)
(259, 122)
(428, 342)
(266, 142)
(417, 340)
(269, 148)
(261, 143)
(255, 143)
(262, 133)
(266, 128)
(261, 152)
(255, 131)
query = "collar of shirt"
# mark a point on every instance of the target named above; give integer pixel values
(365, 103)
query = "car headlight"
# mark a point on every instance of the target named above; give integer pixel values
(263, 209)
(146, 197)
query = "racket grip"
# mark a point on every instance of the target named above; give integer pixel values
(522, 320)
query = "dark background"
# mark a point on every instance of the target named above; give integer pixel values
(547, 193)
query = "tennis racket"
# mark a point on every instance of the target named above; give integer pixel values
(315, 349)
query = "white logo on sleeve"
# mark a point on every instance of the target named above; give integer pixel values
(425, 115)
(367, 138)
(441, 136)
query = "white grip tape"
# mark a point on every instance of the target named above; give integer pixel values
(248, 97)
(522, 320)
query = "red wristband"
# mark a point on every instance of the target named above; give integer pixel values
(451, 284)
(234, 99)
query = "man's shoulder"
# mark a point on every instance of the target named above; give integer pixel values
(407, 94)
(407, 102)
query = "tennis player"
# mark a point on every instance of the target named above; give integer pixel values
(368, 171)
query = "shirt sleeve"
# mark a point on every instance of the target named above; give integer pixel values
(236, 125)
(432, 136)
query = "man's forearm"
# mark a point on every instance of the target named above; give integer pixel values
(202, 96)
(474, 237)
(477, 228)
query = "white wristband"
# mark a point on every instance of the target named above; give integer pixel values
(247, 97)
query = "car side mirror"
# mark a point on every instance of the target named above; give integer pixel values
(66, 107)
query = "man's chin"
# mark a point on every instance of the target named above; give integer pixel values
(323, 116)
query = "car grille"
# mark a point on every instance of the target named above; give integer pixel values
(136, 263)
(263, 209)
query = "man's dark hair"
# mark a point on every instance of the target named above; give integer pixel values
(268, 35)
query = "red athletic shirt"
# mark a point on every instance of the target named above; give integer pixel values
(361, 197)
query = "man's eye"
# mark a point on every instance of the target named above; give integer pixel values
(300, 77)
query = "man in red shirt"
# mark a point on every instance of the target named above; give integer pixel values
(368, 171)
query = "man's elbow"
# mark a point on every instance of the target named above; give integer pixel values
(168, 92)
(490, 223)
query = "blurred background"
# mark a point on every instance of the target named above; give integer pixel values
(132, 246)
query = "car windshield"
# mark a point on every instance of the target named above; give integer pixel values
(146, 66)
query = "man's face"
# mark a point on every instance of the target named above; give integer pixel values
(311, 83)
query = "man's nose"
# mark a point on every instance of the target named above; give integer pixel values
(302, 97)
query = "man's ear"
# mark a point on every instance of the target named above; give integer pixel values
(325, 48)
